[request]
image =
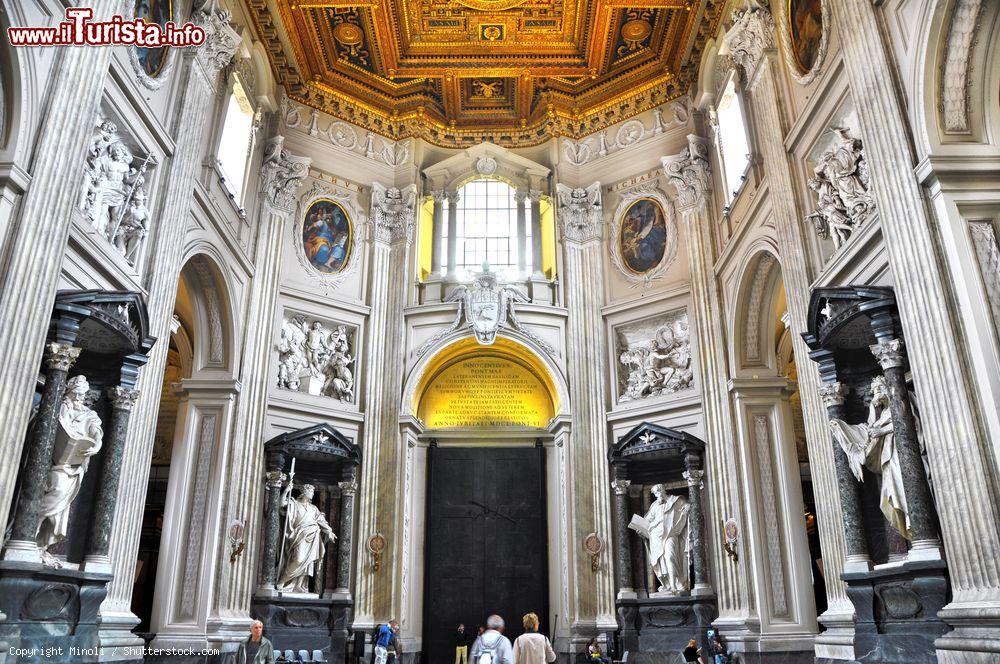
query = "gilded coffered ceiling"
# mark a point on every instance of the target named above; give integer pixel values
(458, 72)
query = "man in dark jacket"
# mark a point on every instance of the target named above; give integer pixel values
(256, 649)
(461, 645)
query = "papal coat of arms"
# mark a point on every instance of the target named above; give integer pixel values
(486, 306)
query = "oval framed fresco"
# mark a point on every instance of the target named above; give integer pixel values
(153, 64)
(327, 236)
(804, 36)
(644, 237)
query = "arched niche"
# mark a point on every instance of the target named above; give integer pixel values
(470, 386)
(759, 304)
(203, 305)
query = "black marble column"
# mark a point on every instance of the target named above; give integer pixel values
(59, 357)
(348, 489)
(833, 394)
(696, 525)
(274, 480)
(623, 550)
(122, 400)
(919, 504)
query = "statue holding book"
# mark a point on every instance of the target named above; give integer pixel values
(668, 548)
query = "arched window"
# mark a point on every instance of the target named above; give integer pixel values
(487, 229)
(734, 148)
(234, 146)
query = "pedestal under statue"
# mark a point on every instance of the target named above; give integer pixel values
(77, 439)
(303, 547)
(668, 547)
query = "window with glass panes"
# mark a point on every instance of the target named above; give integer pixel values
(487, 226)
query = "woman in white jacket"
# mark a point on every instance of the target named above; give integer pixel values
(532, 647)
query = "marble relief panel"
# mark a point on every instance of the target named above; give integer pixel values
(317, 357)
(654, 356)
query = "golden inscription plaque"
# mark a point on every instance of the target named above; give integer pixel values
(486, 390)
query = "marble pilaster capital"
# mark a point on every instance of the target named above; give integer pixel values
(520, 196)
(620, 486)
(274, 479)
(348, 488)
(833, 393)
(221, 38)
(122, 398)
(536, 195)
(60, 357)
(889, 353)
(689, 173)
(393, 212)
(453, 198)
(282, 173)
(439, 195)
(752, 34)
(581, 212)
(694, 477)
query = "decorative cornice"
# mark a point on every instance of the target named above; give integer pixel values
(689, 174)
(282, 174)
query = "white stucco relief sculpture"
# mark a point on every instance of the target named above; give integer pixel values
(221, 39)
(627, 135)
(114, 197)
(661, 365)
(318, 358)
(303, 545)
(958, 60)
(282, 173)
(393, 211)
(580, 214)
(486, 306)
(872, 445)
(78, 438)
(752, 34)
(843, 189)
(668, 547)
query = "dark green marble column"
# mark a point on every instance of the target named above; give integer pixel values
(102, 519)
(274, 480)
(696, 524)
(59, 358)
(348, 489)
(623, 550)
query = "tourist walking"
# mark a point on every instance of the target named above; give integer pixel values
(461, 645)
(493, 647)
(532, 647)
(382, 638)
(256, 649)
(692, 653)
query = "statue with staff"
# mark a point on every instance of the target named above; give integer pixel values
(303, 538)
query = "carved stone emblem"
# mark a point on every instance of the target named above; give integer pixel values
(486, 306)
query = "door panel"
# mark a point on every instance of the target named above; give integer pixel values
(486, 542)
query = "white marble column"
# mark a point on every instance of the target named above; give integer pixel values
(582, 225)
(378, 595)
(453, 198)
(688, 173)
(34, 248)
(751, 42)
(521, 198)
(437, 232)
(282, 175)
(957, 449)
(195, 95)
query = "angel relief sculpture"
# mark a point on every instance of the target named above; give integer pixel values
(319, 355)
(872, 445)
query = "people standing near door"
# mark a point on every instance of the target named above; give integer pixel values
(382, 638)
(492, 647)
(461, 645)
(532, 647)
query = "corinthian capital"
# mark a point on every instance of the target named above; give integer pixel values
(60, 357)
(221, 39)
(752, 34)
(392, 214)
(688, 172)
(281, 175)
(833, 394)
(580, 214)
(889, 353)
(122, 398)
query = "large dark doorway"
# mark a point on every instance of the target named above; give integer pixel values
(486, 542)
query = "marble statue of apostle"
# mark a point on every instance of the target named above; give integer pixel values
(665, 530)
(872, 445)
(303, 548)
(77, 439)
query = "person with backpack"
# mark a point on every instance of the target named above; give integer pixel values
(532, 647)
(493, 647)
(382, 638)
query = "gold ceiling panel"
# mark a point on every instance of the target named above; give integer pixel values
(458, 72)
